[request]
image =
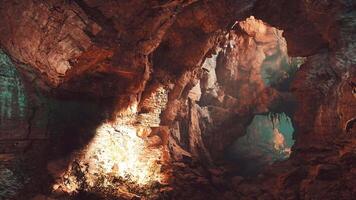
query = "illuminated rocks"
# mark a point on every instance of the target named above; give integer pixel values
(125, 156)
(116, 157)
(123, 153)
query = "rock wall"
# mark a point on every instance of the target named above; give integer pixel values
(22, 127)
(23, 113)
(13, 99)
(117, 53)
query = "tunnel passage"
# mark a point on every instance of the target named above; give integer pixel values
(268, 139)
(250, 73)
(243, 101)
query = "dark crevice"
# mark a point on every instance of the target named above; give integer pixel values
(350, 126)
(30, 121)
(353, 87)
(108, 35)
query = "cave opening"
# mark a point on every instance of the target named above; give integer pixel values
(269, 136)
(249, 76)
(268, 139)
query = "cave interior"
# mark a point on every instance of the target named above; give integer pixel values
(177, 99)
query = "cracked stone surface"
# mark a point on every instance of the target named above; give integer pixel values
(80, 63)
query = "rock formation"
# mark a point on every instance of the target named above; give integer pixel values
(179, 81)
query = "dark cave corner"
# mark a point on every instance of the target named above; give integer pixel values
(39, 131)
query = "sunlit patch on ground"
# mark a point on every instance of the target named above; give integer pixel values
(124, 157)
(121, 153)
(115, 157)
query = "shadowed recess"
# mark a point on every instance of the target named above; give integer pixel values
(268, 139)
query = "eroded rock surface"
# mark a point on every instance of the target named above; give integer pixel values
(212, 65)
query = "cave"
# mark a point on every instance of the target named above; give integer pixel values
(221, 99)
(267, 140)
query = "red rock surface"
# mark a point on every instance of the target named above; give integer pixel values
(125, 50)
